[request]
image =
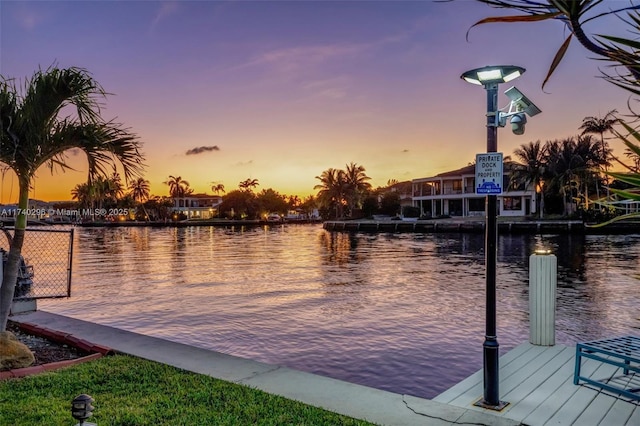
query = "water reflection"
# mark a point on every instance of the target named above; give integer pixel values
(401, 312)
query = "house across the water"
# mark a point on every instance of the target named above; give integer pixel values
(453, 194)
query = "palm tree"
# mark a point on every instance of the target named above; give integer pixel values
(34, 133)
(217, 188)
(139, 190)
(570, 164)
(597, 125)
(331, 190)
(82, 193)
(248, 184)
(356, 185)
(178, 187)
(114, 186)
(530, 170)
(293, 201)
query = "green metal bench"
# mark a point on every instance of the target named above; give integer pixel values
(622, 352)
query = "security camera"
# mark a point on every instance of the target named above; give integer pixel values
(517, 123)
(519, 107)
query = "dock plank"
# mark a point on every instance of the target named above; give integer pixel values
(537, 382)
(536, 389)
(556, 403)
(506, 371)
(476, 379)
(543, 365)
(595, 412)
(579, 403)
(635, 417)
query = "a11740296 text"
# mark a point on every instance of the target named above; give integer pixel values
(12, 212)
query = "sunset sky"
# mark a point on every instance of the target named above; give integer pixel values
(280, 91)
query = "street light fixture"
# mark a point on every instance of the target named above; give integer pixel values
(490, 77)
(492, 74)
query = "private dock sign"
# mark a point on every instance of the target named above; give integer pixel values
(489, 173)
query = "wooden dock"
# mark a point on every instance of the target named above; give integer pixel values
(537, 382)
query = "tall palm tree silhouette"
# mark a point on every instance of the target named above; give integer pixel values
(139, 190)
(178, 187)
(530, 169)
(35, 133)
(600, 126)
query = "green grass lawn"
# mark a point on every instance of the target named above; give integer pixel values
(130, 391)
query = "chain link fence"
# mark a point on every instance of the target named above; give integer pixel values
(45, 266)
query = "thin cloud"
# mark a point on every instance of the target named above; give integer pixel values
(245, 163)
(166, 10)
(27, 18)
(334, 88)
(293, 59)
(202, 149)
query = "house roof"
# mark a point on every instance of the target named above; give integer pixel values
(471, 170)
(467, 170)
(201, 196)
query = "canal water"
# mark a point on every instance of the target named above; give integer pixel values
(400, 312)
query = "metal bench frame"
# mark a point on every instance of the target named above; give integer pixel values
(623, 352)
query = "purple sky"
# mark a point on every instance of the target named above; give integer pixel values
(280, 91)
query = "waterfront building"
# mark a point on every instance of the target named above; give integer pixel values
(453, 194)
(197, 206)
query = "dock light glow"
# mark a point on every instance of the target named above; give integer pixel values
(542, 251)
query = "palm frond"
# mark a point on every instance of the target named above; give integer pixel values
(557, 59)
(615, 219)
(104, 144)
(631, 179)
(48, 91)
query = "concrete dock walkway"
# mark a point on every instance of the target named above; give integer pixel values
(361, 402)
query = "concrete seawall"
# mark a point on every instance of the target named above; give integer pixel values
(478, 226)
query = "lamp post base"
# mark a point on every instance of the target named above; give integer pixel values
(482, 404)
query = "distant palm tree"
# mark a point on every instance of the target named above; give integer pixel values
(248, 184)
(331, 190)
(356, 185)
(218, 188)
(139, 190)
(82, 193)
(294, 201)
(594, 158)
(530, 170)
(114, 186)
(600, 126)
(178, 187)
(34, 132)
(568, 162)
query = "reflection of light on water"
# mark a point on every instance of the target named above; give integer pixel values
(402, 312)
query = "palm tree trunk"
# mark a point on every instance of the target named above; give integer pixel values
(10, 272)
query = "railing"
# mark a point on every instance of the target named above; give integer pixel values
(45, 267)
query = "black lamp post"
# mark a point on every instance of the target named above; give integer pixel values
(81, 408)
(490, 77)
